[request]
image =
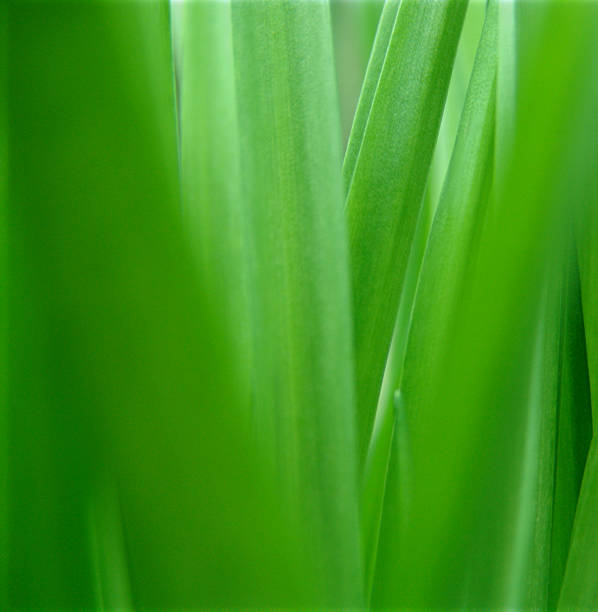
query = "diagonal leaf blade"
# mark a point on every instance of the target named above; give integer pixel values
(387, 185)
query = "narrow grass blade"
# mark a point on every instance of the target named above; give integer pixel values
(450, 247)
(378, 53)
(378, 457)
(303, 387)
(388, 181)
(464, 60)
(456, 226)
(354, 26)
(379, 447)
(213, 207)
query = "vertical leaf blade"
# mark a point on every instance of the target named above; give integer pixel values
(388, 181)
(303, 385)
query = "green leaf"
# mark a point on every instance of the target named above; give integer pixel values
(303, 388)
(368, 90)
(456, 226)
(213, 207)
(450, 248)
(379, 448)
(464, 60)
(387, 184)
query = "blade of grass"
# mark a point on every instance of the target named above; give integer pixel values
(373, 72)
(379, 447)
(452, 242)
(354, 26)
(303, 382)
(450, 247)
(213, 208)
(378, 456)
(464, 59)
(388, 181)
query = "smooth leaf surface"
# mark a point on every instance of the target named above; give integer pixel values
(450, 247)
(213, 207)
(371, 79)
(303, 394)
(387, 185)
(373, 488)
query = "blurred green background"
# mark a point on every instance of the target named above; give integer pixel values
(182, 414)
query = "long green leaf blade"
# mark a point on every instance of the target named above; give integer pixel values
(303, 386)
(450, 247)
(388, 181)
(368, 90)
(213, 207)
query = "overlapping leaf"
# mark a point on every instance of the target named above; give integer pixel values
(386, 185)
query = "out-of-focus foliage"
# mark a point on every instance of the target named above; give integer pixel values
(133, 481)
(240, 372)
